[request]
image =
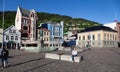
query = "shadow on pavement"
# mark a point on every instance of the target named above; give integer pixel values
(26, 62)
(39, 66)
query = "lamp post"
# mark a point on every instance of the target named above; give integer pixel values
(41, 39)
(3, 24)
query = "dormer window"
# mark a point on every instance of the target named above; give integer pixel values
(14, 31)
(10, 31)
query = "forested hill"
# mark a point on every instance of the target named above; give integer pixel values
(69, 22)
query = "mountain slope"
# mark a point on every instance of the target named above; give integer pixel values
(69, 22)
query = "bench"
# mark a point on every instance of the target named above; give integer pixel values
(51, 56)
(62, 56)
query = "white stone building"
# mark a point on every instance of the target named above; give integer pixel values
(115, 26)
(12, 37)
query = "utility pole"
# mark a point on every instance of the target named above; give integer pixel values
(3, 24)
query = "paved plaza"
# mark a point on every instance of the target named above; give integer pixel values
(95, 60)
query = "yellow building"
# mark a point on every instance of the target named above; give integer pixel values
(97, 36)
(44, 35)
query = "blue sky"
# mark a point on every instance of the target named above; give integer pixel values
(102, 11)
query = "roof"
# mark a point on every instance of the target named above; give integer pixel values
(10, 28)
(44, 25)
(95, 28)
(24, 12)
(43, 29)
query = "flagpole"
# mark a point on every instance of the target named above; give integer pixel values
(3, 25)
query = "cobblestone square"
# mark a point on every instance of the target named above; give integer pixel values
(95, 60)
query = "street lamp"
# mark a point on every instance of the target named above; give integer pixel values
(41, 39)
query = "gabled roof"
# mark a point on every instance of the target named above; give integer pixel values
(10, 28)
(95, 28)
(24, 12)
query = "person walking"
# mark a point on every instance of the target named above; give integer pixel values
(4, 57)
(74, 54)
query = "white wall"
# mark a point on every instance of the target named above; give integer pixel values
(12, 34)
(18, 17)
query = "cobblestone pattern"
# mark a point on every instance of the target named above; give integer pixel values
(95, 60)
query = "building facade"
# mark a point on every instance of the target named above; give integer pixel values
(1, 31)
(97, 37)
(56, 33)
(26, 21)
(12, 37)
(44, 37)
(115, 26)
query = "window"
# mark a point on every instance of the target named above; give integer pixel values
(24, 35)
(107, 36)
(44, 33)
(79, 37)
(93, 37)
(24, 21)
(83, 37)
(115, 37)
(10, 31)
(14, 31)
(47, 39)
(98, 43)
(25, 27)
(88, 37)
(7, 37)
(99, 36)
(47, 33)
(16, 37)
(12, 38)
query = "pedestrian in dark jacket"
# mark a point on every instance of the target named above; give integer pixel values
(4, 57)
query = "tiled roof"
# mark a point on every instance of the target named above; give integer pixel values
(25, 12)
(95, 28)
